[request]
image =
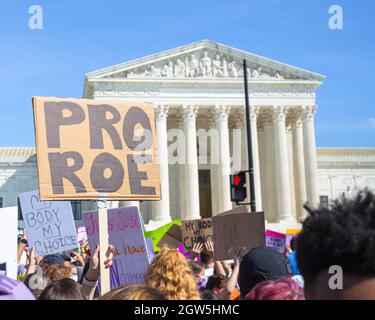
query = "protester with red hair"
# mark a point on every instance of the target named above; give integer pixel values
(282, 289)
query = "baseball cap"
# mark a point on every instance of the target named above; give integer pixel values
(260, 264)
(53, 259)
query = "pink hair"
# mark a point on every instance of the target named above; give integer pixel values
(283, 289)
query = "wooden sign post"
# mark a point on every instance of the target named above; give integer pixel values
(105, 283)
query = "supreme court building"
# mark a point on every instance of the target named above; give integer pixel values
(199, 87)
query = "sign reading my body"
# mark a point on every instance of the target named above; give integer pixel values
(196, 231)
(45, 219)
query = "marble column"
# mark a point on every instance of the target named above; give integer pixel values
(221, 113)
(161, 209)
(298, 163)
(310, 155)
(284, 209)
(214, 166)
(181, 153)
(270, 186)
(289, 136)
(262, 161)
(238, 118)
(254, 112)
(191, 165)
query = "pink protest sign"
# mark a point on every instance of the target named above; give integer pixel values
(276, 240)
(126, 234)
(81, 234)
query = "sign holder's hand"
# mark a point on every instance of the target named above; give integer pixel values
(197, 250)
(93, 273)
(90, 280)
(210, 247)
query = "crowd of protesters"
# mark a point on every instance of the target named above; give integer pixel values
(341, 236)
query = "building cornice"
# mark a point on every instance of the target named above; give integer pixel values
(347, 151)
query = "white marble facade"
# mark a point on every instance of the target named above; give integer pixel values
(200, 86)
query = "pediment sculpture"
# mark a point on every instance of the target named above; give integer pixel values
(203, 65)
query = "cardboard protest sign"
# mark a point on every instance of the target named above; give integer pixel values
(196, 231)
(89, 149)
(125, 233)
(276, 240)
(49, 224)
(172, 238)
(8, 241)
(158, 233)
(237, 233)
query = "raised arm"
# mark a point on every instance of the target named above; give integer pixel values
(90, 280)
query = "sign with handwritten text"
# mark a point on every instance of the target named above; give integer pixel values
(276, 240)
(49, 224)
(196, 231)
(125, 230)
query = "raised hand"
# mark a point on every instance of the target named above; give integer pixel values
(209, 247)
(78, 258)
(164, 245)
(196, 250)
(94, 269)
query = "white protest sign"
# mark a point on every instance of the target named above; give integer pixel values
(126, 235)
(49, 224)
(8, 241)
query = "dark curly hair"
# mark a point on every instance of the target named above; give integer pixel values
(343, 234)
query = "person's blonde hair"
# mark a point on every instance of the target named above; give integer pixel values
(170, 274)
(57, 272)
(133, 292)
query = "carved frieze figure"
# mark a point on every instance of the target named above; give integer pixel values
(205, 65)
(167, 70)
(232, 69)
(279, 76)
(179, 69)
(145, 74)
(187, 70)
(155, 72)
(217, 67)
(193, 66)
(256, 73)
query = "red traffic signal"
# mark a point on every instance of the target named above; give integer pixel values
(236, 180)
(238, 187)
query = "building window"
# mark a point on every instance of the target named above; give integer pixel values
(77, 210)
(323, 201)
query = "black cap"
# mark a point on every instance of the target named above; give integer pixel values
(259, 264)
(53, 259)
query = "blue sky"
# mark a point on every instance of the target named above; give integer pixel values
(81, 36)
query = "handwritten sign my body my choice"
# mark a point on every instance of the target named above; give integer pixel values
(95, 148)
(126, 234)
(49, 224)
(196, 231)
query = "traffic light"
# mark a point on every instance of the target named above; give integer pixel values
(238, 187)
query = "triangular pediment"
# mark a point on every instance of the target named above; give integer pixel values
(203, 60)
